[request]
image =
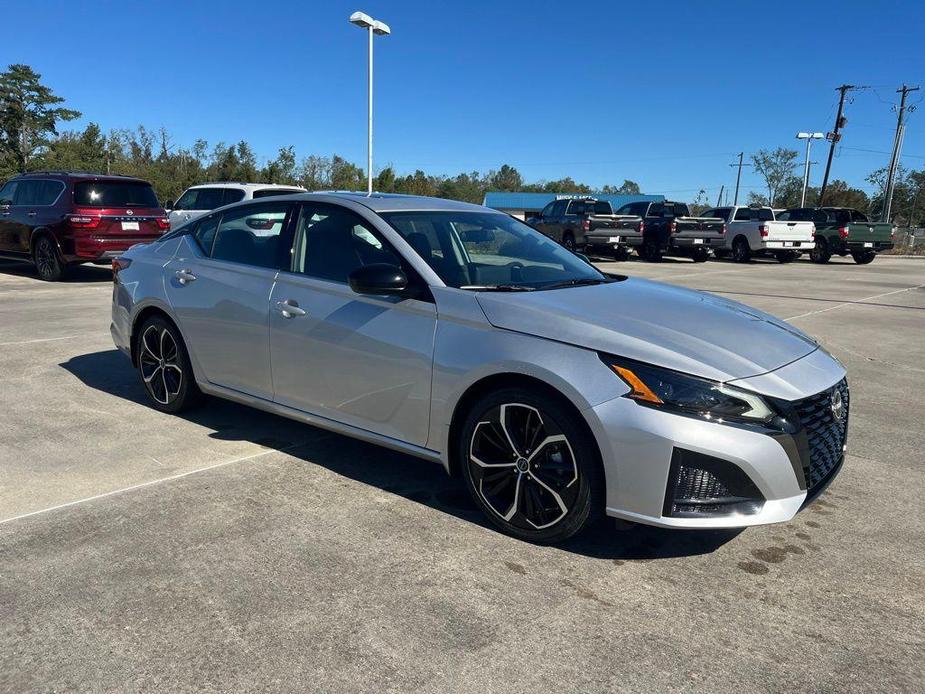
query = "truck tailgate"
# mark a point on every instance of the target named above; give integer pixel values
(790, 231)
(870, 231)
(700, 227)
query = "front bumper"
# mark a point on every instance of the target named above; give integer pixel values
(641, 448)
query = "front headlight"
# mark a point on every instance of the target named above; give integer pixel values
(671, 390)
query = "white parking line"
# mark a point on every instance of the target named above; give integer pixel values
(149, 483)
(44, 339)
(854, 302)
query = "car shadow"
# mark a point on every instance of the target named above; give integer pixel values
(75, 273)
(414, 479)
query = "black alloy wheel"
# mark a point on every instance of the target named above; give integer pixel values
(741, 252)
(48, 263)
(164, 366)
(530, 467)
(820, 253)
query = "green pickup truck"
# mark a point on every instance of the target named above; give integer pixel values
(843, 231)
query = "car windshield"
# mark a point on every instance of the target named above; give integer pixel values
(490, 251)
(114, 194)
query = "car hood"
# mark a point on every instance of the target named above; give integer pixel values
(690, 331)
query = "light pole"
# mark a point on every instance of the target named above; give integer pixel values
(372, 26)
(809, 137)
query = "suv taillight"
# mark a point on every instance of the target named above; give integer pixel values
(586, 225)
(642, 227)
(163, 223)
(763, 230)
(673, 227)
(843, 232)
(892, 233)
(723, 232)
(79, 221)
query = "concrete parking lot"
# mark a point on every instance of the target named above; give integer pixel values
(232, 550)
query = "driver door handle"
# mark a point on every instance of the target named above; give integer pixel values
(289, 308)
(185, 276)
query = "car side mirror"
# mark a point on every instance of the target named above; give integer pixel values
(381, 279)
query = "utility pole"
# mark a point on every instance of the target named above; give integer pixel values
(834, 137)
(894, 160)
(719, 198)
(738, 176)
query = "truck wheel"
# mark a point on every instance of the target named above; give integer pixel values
(568, 240)
(863, 257)
(620, 254)
(700, 255)
(651, 251)
(741, 252)
(786, 256)
(48, 262)
(820, 253)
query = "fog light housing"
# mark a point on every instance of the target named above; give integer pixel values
(701, 486)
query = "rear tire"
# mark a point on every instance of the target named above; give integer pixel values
(49, 265)
(863, 257)
(820, 253)
(164, 367)
(531, 466)
(741, 251)
(568, 240)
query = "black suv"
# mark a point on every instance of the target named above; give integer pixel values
(56, 219)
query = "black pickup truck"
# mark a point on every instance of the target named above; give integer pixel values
(671, 230)
(570, 221)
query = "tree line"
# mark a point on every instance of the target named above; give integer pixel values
(30, 140)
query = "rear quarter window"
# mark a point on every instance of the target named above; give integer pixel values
(269, 192)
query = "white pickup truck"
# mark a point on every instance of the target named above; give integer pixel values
(753, 231)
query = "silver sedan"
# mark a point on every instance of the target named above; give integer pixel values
(458, 334)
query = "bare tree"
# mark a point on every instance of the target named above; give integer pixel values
(776, 168)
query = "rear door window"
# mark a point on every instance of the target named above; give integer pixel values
(270, 192)
(743, 214)
(232, 195)
(8, 193)
(114, 194)
(558, 209)
(252, 235)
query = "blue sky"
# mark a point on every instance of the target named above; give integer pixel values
(665, 94)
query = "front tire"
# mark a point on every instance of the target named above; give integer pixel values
(530, 466)
(568, 240)
(820, 253)
(863, 257)
(651, 251)
(49, 265)
(741, 251)
(164, 367)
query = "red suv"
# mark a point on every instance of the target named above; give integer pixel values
(57, 219)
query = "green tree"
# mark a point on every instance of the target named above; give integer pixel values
(29, 115)
(628, 188)
(507, 178)
(776, 168)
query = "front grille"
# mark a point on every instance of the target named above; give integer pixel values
(826, 433)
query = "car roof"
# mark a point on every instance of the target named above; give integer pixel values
(238, 185)
(393, 202)
(81, 175)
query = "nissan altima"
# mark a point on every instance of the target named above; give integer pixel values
(452, 332)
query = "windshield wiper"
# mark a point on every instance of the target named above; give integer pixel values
(497, 288)
(581, 281)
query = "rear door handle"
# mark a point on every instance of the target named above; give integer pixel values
(185, 276)
(31, 214)
(289, 308)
